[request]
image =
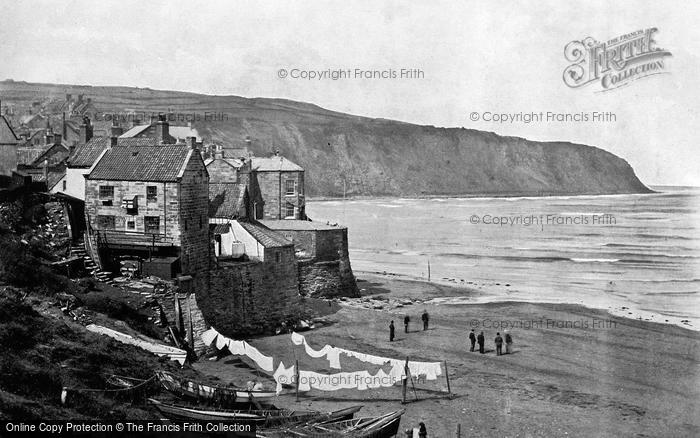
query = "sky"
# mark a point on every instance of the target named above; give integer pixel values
(480, 58)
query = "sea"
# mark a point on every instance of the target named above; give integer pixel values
(636, 255)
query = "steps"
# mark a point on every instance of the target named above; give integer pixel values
(77, 249)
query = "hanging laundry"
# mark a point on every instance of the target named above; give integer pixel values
(429, 370)
(282, 376)
(264, 362)
(298, 339)
(238, 348)
(209, 336)
(221, 342)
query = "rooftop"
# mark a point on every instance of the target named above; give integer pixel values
(86, 154)
(264, 235)
(276, 163)
(300, 225)
(226, 199)
(142, 163)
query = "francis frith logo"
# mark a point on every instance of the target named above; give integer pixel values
(614, 63)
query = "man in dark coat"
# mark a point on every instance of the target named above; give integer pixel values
(480, 340)
(406, 320)
(472, 338)
(425, 318)
(391, 331)
(499, 344)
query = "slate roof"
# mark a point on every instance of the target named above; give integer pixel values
(264, 235)
(136, 130)
(28, 154)
(86, 154)
(299, 225)
(226, 200)
(144, 163)
(7, 134)
(219, 228)
(177, 132)
(272, 164)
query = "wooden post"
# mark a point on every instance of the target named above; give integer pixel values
(459, 430)
(296, 380)
(447, 377)
(404, 384)
(428, 269)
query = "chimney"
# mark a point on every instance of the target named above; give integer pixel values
(57, 138)
(191, 142)
(85, 131)
(64, 132)
(218, 152)
(162, 134)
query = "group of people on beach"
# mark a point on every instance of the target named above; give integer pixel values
(406, 321)
(499, 340)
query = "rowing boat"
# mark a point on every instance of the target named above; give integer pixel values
(263, 417)
(383, 426)
(219, 395)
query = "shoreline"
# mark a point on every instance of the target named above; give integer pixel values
(513, 195)
(490, 296)
(622, 378)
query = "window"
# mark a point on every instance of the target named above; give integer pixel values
(106, 194)
(278, 257)
(105, 222)
(290, 187)
(200, 221)
(152, 224)
(289, 210)
(65, 184)
(130, 225)
(151, 194)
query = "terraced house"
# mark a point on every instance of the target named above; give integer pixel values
(150, 202)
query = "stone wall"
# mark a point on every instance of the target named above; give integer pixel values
(188, 306)
(222, 172)
(327, 279)
(166, 206)
(194, 220)
(250, 298)
(271, 186)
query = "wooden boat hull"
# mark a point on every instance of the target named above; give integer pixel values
(264, 418)
(220, 395)
(385, 426)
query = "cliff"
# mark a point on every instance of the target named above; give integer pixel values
(363, 156)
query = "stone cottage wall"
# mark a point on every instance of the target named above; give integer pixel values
(251, 298)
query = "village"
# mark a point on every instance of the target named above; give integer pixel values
(217, 240)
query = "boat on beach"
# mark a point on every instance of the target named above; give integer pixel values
(263, 417)
(223, 396)
(383, 426)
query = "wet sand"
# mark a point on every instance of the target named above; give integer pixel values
(574, 371)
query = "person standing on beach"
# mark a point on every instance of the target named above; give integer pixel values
(425, 318)
(509, 343)
(406, 320)
(422, 430)
(480, 340)
(391, 331)
(499, 344)
(472, 338)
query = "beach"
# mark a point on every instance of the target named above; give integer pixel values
(574, 371)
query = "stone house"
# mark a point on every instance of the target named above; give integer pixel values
(151, 202)
(280, 183)
(8, 147)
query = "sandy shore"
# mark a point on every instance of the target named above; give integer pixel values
(574, 371)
